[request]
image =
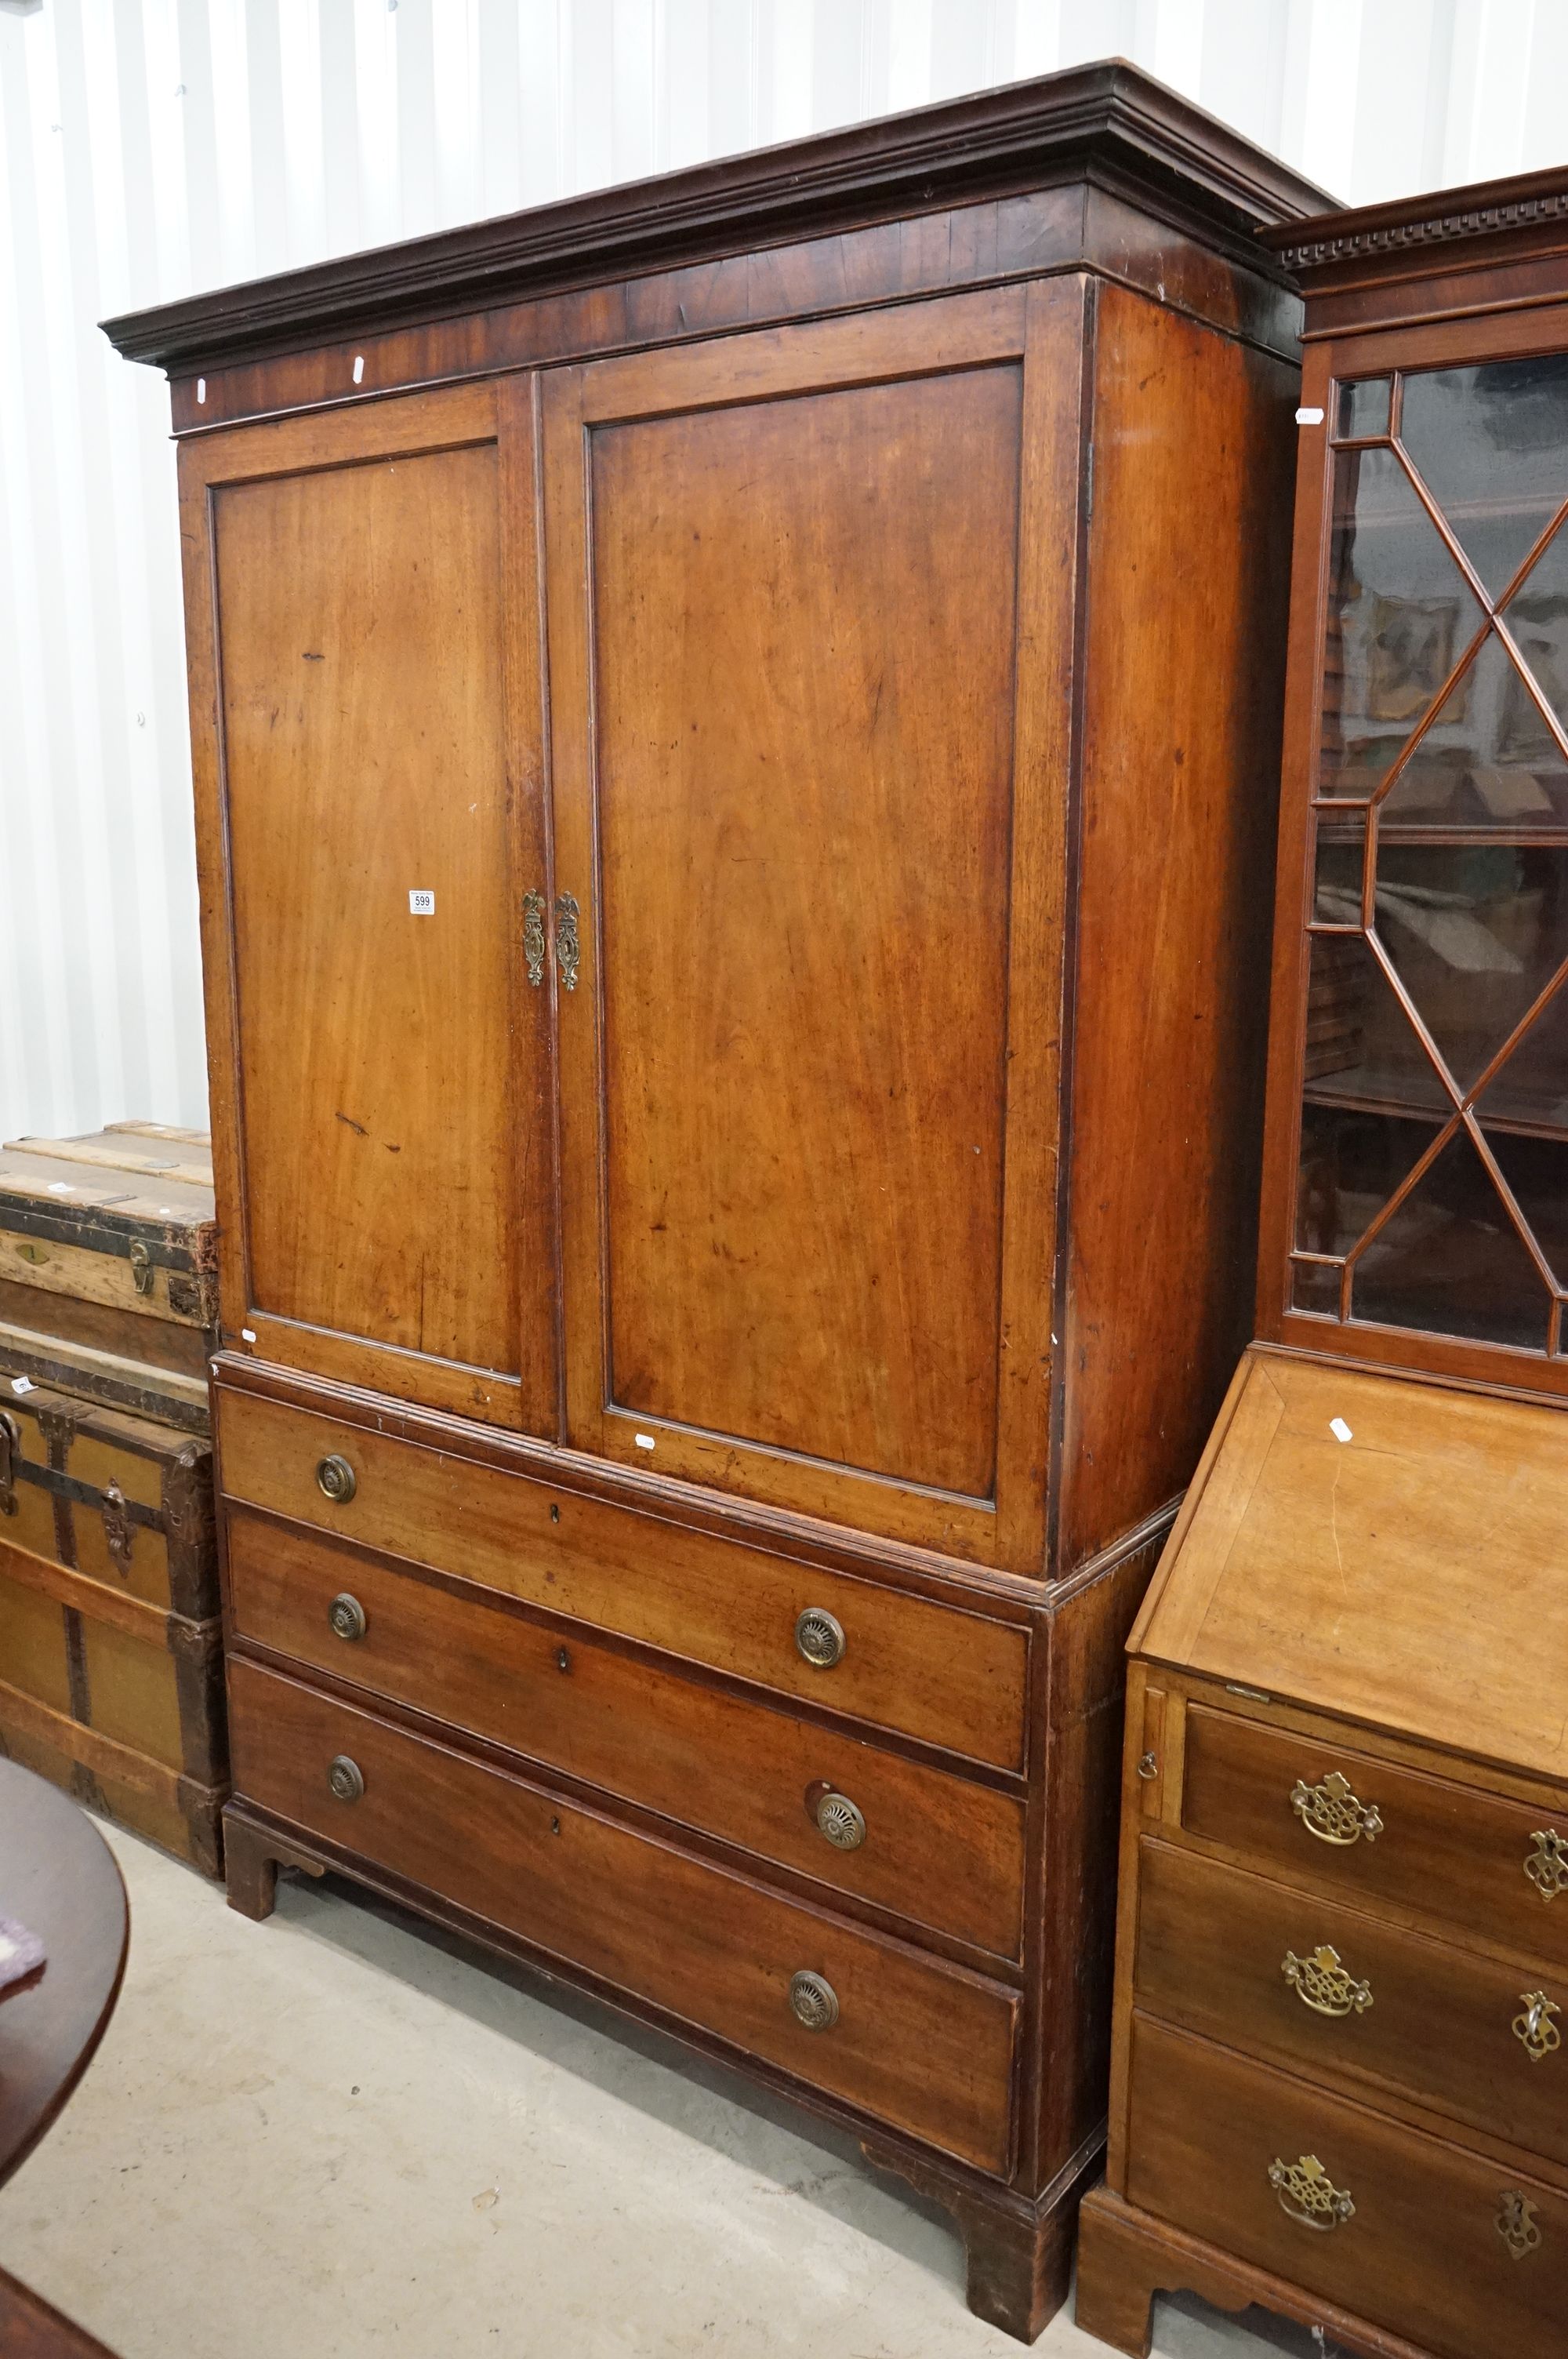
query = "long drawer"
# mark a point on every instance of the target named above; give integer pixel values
(1341, 1997)
(1346, 1824)
(953, 1678)
(935, 1847)
(1460, 2255)
(924, 2047)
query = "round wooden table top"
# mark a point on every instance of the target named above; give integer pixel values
(59, 1878)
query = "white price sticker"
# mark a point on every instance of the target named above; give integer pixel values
(422, 903)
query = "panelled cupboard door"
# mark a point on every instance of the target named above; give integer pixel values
(810, 597)
(363, 603)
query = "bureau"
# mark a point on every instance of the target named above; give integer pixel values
(1343, 1957)
(733, 728)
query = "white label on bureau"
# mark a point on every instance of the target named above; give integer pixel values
(643, 1441)
(422, 902)
(1339, 1429)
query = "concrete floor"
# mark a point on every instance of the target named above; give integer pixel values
(338, 2134)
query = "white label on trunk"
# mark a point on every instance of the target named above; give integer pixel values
(21, 1384)
(422, 903)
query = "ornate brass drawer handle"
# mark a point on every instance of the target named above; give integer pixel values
(840, 1821)
(534, 937)
(568, 947)
(1535, 2028)
(346, 1616)
(1321, 1983)
(814, 2000)
(1308, 2195)
(336, 1480)
(819, 1637)
(1547, 1862)
(345, 1780)
(1332, 1812)
(1516, 2222)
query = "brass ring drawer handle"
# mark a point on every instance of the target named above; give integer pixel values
(1320, 1981)
(1308, 2195)
(819, 1637)
(346, 1617)
(1535, 2028)
(814, 2000)
(1332, 1813)
(1546, 1863)
(336, 1480)
(840, 1821)
(345, 1780)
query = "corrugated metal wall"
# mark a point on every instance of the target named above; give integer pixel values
(151, 147)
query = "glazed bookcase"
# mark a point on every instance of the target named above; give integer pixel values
(1416, 1198)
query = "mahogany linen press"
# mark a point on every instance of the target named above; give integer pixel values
(735, 725)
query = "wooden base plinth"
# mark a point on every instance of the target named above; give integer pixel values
(252, 1858)
(1020, 2250)
(1127, 2256)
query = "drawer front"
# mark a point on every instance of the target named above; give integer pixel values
(1429, 2248)
(936, 1848)
(1487, 1866)
(1242, 1959)
(923, 2047)
(952, 1677)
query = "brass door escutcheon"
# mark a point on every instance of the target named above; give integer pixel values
(1332, 1812)
(1516, 2222)
(1547, 1862)
(1321, 1983)
(534, 937)
(1535, 2028)
(568, 947)
(1308, 2195)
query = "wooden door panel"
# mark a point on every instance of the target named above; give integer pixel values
(387, 1063)
(786, 722)
(805, 655)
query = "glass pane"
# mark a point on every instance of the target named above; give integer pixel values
(1314, 1286)
(1474, 932)
(1351, 1164)
(1531, 1089)
(1488, 760)
(1537, 1171)
(1399, 616)
(1361, 1047)
(1491, 445)
(1451, 1261)
(1340, 854)
(1363, 409)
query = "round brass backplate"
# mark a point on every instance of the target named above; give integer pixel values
(814, 2000)
(344, 1779)
(335, 1479)
(840, 1821)
(347, 1617)
(819, 1637)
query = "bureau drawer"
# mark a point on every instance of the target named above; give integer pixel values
(931, 1845)
(930, 1670)
(1427, 2251)
(1240, 1958)
(1439, 1848)
(924, 2047)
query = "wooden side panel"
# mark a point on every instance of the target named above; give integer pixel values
(803, 642)
(1188, 566)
